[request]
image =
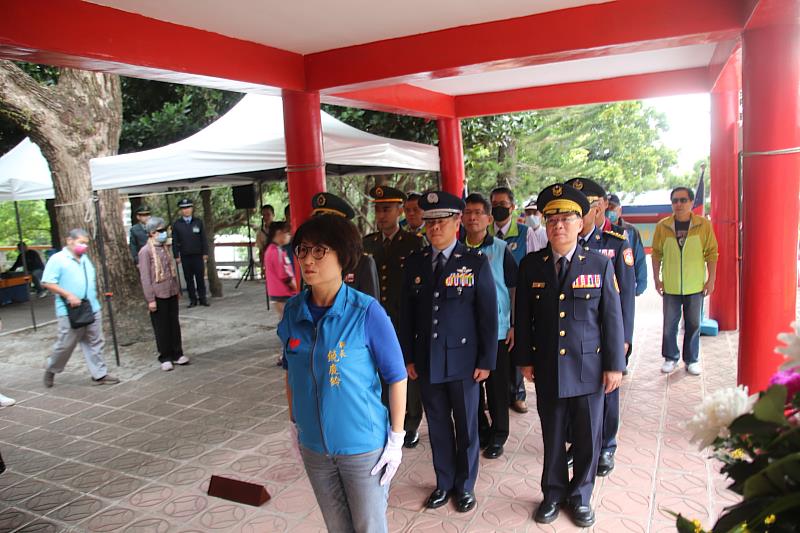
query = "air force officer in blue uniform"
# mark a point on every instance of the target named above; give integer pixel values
(449, 341)
(570, 341)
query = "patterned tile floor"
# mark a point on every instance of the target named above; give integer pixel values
(137, 457)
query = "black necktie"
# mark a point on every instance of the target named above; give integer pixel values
(582, 242)
(437, 270)
(499, 234)
(563, 266)
(386, 243)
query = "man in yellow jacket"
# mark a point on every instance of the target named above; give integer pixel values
(684, 250)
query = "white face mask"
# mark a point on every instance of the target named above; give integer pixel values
(533, 221)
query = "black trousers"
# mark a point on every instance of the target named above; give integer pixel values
(497, 398)
(193, 270)
(167, 329)
(516, 385)
(584, 416)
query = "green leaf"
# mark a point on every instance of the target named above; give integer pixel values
(749, 424)
(769, 407)
(775, 478)
(733, 517)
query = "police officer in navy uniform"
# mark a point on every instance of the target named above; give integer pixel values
(612, 243)
(190, 248)
(365, 276)
(389, 247)
(138, 234)
(449, 342)
(570, 341)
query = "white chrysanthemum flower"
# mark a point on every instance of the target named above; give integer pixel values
(715, 414)
(792, 349)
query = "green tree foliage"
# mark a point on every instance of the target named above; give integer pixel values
(34, 221)
(156, 113)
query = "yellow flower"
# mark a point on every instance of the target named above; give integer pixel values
(769, 520)
(737, 454)
(698, 527)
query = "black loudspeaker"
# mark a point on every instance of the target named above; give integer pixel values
(244, 197)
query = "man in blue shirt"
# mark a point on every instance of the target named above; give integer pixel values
(70, 275)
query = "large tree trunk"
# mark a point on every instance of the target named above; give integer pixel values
(55, 236)
(214, 284)
(507, 158)
(77, 119)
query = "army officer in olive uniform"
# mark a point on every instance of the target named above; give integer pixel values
(389, 247)
(365, 276)
(138, 234)
(570, 341)
(449, 342)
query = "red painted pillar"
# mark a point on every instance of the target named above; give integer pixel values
(771, 90)
(305, 160)
(725, 194)
(451, 155)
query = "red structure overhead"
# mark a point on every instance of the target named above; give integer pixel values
(448, 60)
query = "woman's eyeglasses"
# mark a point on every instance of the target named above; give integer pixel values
(681, 200)
(317, 251)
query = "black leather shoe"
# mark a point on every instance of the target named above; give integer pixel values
(605, 464)
(437, 498)
(205, 303)
(493, 451)
(570, 456)
(2, 465)
(411, 439)
(582, 515)
(192, 304)
(466, 502)
(546, 513)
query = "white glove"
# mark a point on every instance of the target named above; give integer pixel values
(391, 457)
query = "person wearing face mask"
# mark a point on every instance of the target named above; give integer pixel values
(521, 240)
(159, 277)
(71, 276)
(614, 215)
(533, 219)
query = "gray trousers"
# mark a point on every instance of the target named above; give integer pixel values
(91, 340)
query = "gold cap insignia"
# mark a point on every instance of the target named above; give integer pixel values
(321, 200)
(378, 192)
(578, 184)
(558, 190)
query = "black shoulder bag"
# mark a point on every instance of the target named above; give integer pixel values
(81, 316)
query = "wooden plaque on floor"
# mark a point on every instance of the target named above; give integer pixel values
(238, 491)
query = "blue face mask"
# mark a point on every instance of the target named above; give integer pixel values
(612, 216)
(161, 237)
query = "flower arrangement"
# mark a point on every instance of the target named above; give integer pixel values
(758, 441)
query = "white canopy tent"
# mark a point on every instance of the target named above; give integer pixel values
(25, 174)
(247, 144)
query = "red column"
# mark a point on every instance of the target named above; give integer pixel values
(725, 194)
(451, 155)
(305, 160)
(771, 89)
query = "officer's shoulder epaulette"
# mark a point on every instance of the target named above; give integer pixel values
(373, 235)
(613, 233)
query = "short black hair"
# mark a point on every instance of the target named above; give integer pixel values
(286, 211)
(413, 196)
(268, 206)
(335, 232)
(478, 198)
(689, 191)
(275, 227)
(503, 190)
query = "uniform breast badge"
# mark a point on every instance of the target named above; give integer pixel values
(463, 277)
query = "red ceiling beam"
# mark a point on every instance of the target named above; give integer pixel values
(762, 13)
(400, 99)
(671, 83)
(78, 34)
(622, 26)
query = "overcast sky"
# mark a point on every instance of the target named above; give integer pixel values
(689, 126)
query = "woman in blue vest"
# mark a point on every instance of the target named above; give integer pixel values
(338, 343)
